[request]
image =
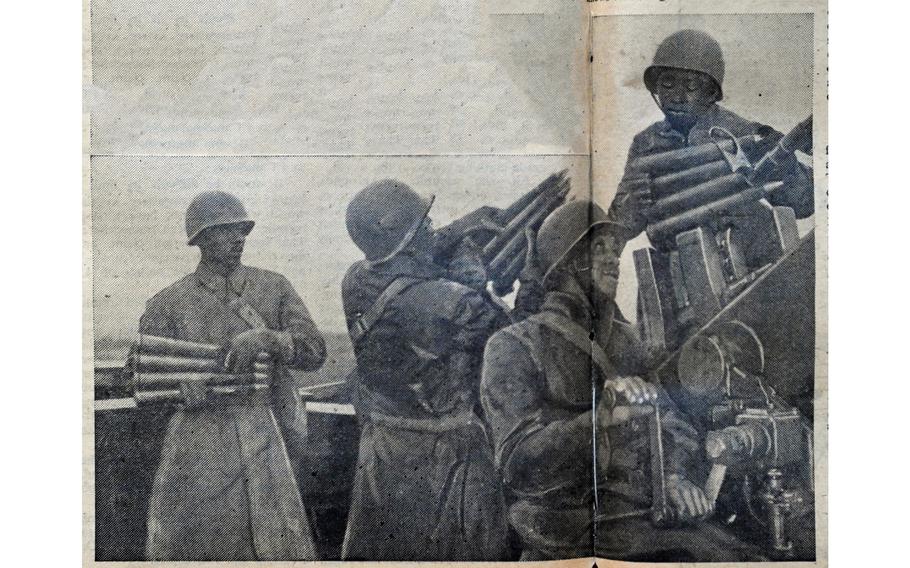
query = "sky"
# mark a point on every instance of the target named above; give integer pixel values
(295, 108)
(361, 76)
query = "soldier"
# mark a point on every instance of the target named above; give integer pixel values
(425, 487)
(538, 399)
(225, 489)
(686, 81)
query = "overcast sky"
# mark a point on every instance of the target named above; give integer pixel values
(335, 76)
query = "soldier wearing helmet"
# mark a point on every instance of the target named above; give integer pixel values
(537, 395)
(425, 487)
(686, 81)
(225, 489)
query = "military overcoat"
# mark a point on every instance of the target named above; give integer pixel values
(225, 488)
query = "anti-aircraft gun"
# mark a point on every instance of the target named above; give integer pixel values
(747, 379)
(728, 288)
(499, 234)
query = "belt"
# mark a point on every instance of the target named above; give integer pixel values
(568, 495)
(435, 425)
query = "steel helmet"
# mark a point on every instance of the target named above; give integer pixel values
(212, 208)
(693, 50)
(565, 227)
(384, 217)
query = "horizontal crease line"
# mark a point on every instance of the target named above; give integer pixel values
(440, 155)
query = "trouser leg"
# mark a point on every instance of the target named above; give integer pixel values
(639, 540)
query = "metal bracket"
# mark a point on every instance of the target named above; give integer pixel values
(737, 159)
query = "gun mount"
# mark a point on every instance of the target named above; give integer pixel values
(746, 380)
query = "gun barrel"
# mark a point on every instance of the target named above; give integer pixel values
(666, 228)
(166, 363)
(151, 397)
(174, 395)
(700, 194)
(495, 245)
(503, 284)
(690, 156)
(153, 345)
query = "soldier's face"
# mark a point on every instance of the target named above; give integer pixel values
(468, 269)
(685, 95)
(605, 249)
(223, 244)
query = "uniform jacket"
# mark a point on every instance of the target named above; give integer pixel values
(225, 489)
(661, 137)
(538, 395)
(425, 487)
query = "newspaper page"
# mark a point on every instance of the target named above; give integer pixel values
(362, 285)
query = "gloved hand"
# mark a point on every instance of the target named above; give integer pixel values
(637, 393)
(247, 345)
(688, 499)
(634, 390)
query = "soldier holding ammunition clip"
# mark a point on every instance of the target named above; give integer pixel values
(225, 489)
(544, 412)
(425, 487)
(686, 82)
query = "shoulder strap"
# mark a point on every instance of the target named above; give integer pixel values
(240, 307)
(247, 313)
(577, 336)
(368, 319)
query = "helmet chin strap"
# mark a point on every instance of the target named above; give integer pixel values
(584, 284)
(584, 280)
(683, 128)
(656, 100)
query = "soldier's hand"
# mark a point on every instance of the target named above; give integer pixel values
(195, 394)
(634, 390)
(625, 398)
(623, 413)
(531, 271)
(246, 346)
(638, 191)
(688, 499)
